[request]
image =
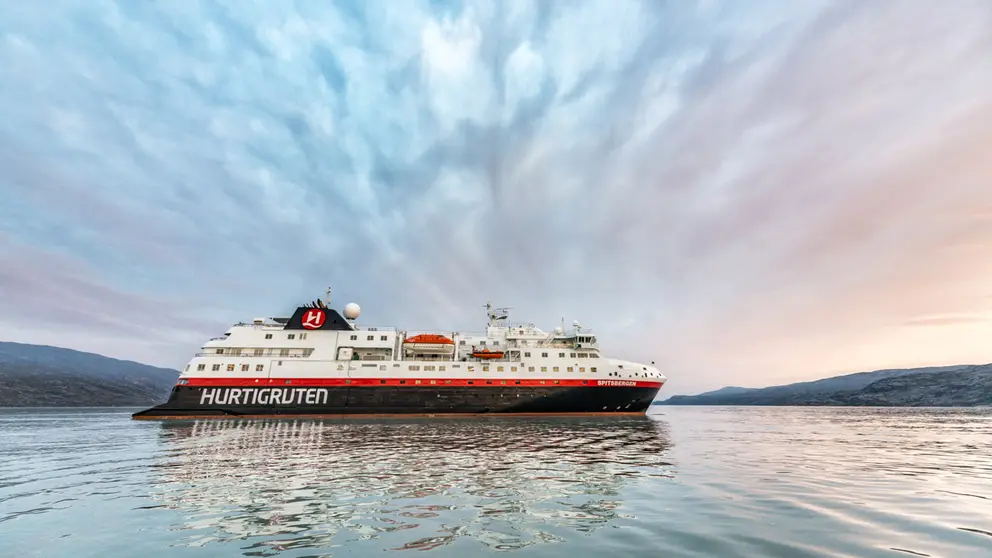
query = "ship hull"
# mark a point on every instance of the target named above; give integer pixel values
(188, 402)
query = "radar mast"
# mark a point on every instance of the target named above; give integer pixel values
(496, 315)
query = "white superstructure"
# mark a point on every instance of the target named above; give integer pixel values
(269, 349)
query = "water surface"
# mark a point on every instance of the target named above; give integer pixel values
(683, 481)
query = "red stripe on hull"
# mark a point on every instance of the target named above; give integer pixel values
(323, 382)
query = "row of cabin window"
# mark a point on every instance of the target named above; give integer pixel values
(570, 355)
(485, 368)
(293, 336)
(263, 351)
(415, 367)
(230, 367)
(304, 336)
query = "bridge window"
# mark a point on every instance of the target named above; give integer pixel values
(561, 355)
(383, 338)
(527, 355)
(544, 355)
(371, 337)
(571, 355)
(268, 336)
(354, 338)
(292, 336)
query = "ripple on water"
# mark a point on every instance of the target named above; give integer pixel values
(689, 482)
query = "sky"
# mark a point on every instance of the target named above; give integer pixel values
(746, 193)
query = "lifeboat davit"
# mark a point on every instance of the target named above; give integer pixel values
(487, 354)
(429, 343)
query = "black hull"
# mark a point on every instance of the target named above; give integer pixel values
(187, 402)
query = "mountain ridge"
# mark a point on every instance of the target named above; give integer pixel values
(952, 385)
(50, 376)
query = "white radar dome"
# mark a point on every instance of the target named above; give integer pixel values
(352, 311)
(559, 330)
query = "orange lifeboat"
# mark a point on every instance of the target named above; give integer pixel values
(487, 354)
(429, 343)
(430, 338)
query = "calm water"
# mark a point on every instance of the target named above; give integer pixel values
(680, 482)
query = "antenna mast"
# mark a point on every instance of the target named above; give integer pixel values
(496, 314)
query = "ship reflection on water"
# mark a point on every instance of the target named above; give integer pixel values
(501, 483)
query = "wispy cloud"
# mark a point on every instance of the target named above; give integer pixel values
(746, 193)
(927, 321)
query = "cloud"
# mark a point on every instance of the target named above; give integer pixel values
(60, 300)
(944, 320)
(746, 194)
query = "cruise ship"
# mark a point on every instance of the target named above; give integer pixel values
(319, 363)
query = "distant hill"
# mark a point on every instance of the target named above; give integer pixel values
(939, 386)
(45, 376)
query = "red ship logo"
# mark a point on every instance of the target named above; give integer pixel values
(313, 318)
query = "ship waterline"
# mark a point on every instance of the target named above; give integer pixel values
(320, 364)
(295, 401)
